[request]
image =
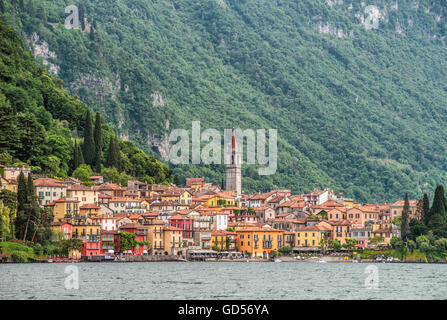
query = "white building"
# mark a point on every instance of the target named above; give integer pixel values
(49, 190)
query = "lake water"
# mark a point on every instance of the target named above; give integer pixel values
(225, 280)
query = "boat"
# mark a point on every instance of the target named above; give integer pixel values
(278, 260)
(321, 261)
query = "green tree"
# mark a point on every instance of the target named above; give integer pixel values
(42, 15)
(396, 243)
(335, 244)
(9, 134)
(286, 250)
(98, 143)
(425, 209)
(439, 201)
(9, 199)
(404, 227)
(127, 241)
(22, 207)
(114, 157)
(5, 223)
(83, 173)
(375, 240)
(89, 141)
(350, 244)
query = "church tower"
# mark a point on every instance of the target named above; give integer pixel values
(233, 174)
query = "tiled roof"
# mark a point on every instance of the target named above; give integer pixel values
(48, 182)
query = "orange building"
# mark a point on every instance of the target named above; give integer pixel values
(258, 241)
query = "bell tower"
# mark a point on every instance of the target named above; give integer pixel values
(233, 172)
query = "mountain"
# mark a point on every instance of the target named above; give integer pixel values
(41, 124)
(357, 108)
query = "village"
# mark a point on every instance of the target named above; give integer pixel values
(203, 221)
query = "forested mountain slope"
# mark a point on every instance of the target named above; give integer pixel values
(41, 125)
(361, 110)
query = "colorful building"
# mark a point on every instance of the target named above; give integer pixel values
(258, 241)
(141, 236)
(223, 240)
(310, 236)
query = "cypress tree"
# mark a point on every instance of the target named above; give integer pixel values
(118, 156)
(41, 14)
(176, 180)
(98, 142)
(31, 9)
(2, 6)
(438, 206)
(437, 219)
(22, 201)
(75, 156)
(32, 210)
(111, 154)
(82, 16)
(88, 147)
(80, 155)
(425, 209)
(22, 192)
(9, 133)
(405, 223)
(114, 154)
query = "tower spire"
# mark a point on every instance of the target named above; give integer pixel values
(233, 140)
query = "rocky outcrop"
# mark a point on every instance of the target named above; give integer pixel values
(41, 49)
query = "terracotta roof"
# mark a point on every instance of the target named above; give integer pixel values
(287, 204)
(133, 226)
(191, 181)
(311, 228)
(63, 199)
(79, 187)
(176, 217)
(171, 228)
(222, 233)
(328, 204)
(48, 182)
(276, 199)
(90, 206)
(262, 196)
(111, 186)
(340, 222)
(400, 203)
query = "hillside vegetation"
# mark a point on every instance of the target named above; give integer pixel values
(41, 124)
(361, 111)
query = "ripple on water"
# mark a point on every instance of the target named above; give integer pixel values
(224, 281)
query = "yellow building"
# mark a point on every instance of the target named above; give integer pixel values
(83, 194)
(90, 210)
(309, 236)
(86, 230)
(258, 241)
(155, 235)
(64, 207)
(219, 240)
(349, 203)
(180, 195)
(172, 239)
(215, 200)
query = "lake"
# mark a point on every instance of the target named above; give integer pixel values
(224, 280)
